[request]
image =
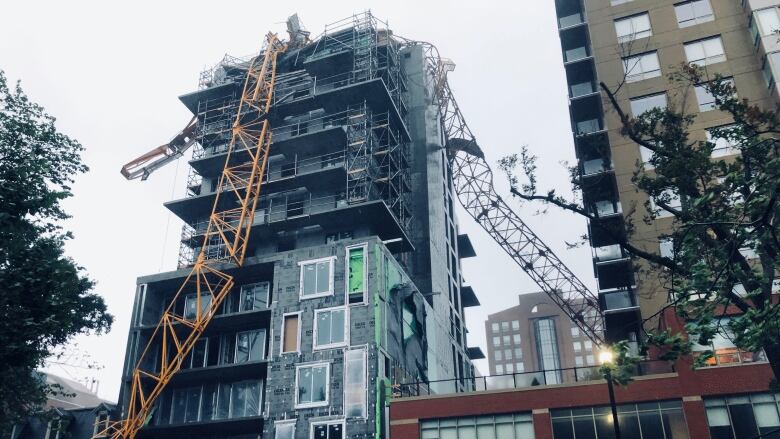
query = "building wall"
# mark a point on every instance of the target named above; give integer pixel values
(519, 321)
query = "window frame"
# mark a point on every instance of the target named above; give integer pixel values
(364, 352)
(291, 422)
(332, 261)
(639, 99)
(634, 36)
(101, 425)
(315, 346)
(298, 367)
(706, 61)
(261, 333)
(267, 296)
(341, 421)
(642, 75)
(364, 247)
(281, 343)
(695, 20)
(202, 311)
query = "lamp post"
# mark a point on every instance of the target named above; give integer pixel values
(605, 358)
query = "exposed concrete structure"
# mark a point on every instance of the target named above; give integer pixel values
(351, 283)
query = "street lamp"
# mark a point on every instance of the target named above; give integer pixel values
(606, 359)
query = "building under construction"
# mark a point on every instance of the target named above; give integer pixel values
(350, 279)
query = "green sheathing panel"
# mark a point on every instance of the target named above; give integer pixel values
(379, 296)
(356, 270)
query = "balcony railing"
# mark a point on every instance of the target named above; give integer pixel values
(522, 380)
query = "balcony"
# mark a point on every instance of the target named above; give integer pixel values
(617, 299)
(569, 13)
(575, 45)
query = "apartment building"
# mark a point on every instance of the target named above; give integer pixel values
(350, 284)
(534, 336)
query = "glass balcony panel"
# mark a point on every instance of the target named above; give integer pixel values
(575, 53)
(618, 300)
(608, 253)
(593, 166)
(581, 89)
(571, 20)
(588, 126)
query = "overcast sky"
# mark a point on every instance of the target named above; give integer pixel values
(111, 73)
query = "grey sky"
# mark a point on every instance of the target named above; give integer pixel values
(111, 73)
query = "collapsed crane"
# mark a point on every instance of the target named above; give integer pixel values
(228, 231)
(473, 182)
(228, 228)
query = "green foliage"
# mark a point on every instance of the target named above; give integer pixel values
(727, 213)
(624, 365)
(46, 297)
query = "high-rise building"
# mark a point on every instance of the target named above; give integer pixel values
(636, 44)
(350, 283)
(537, 336)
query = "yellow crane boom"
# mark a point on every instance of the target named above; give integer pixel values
(224, 244)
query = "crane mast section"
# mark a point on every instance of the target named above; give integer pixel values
(224, 247)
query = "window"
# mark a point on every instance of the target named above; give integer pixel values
(535, 309)
(327, 430)
(633, 28)
(254, 296)
(250, 346)
(57, 428)
(670, 198)
(656, 420)
(284, 430)
(579, 361)
(355, 403)
(185, 405)
(516, 338)
(499, 369)
(510, 368)
(639, 67)
(330, 328)
(722, 145)
(768, 21)
(643, 104)
(619, 2)
(705, 99)
(191, 305)
(291, 333)
(547, 347)
(575, 331)
(770, 62)
(494, 327)
(198, 355)
(316, 278)
(518, 354)
(753, 415)
(507, 354)
(515, 325)
(496, 341)
(511, 426)
(723, 349)
(245, 399)
(505, 326)
(646, 155)
(666, 248)
(311, 382)
(356, 274)
(506, 339)
(588, 345)
(694, 12)
(577, 346)
(498, 355)
(590, 359)
(101, 424)
(705, 52)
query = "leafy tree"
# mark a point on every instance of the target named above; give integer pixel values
(725, 254)
(46, 297)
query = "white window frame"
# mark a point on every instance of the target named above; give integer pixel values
(315, 346)
(364, 246)
(634, 35)
(631, 62)
(695, 20)
(298, 367)
(332, 261)
(708, 59)
(100, 426)
(281, 344)
(285, 422)
(365, 379)
(708, 106)
(343, 423)
(765, 32)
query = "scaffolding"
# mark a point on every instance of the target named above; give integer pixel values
(375, 155)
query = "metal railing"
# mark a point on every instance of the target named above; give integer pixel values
(521, 380)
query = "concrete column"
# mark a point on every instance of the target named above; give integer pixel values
(696, 417)
(542, 424)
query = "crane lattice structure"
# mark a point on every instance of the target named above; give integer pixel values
(473, 182)
(224, 246)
